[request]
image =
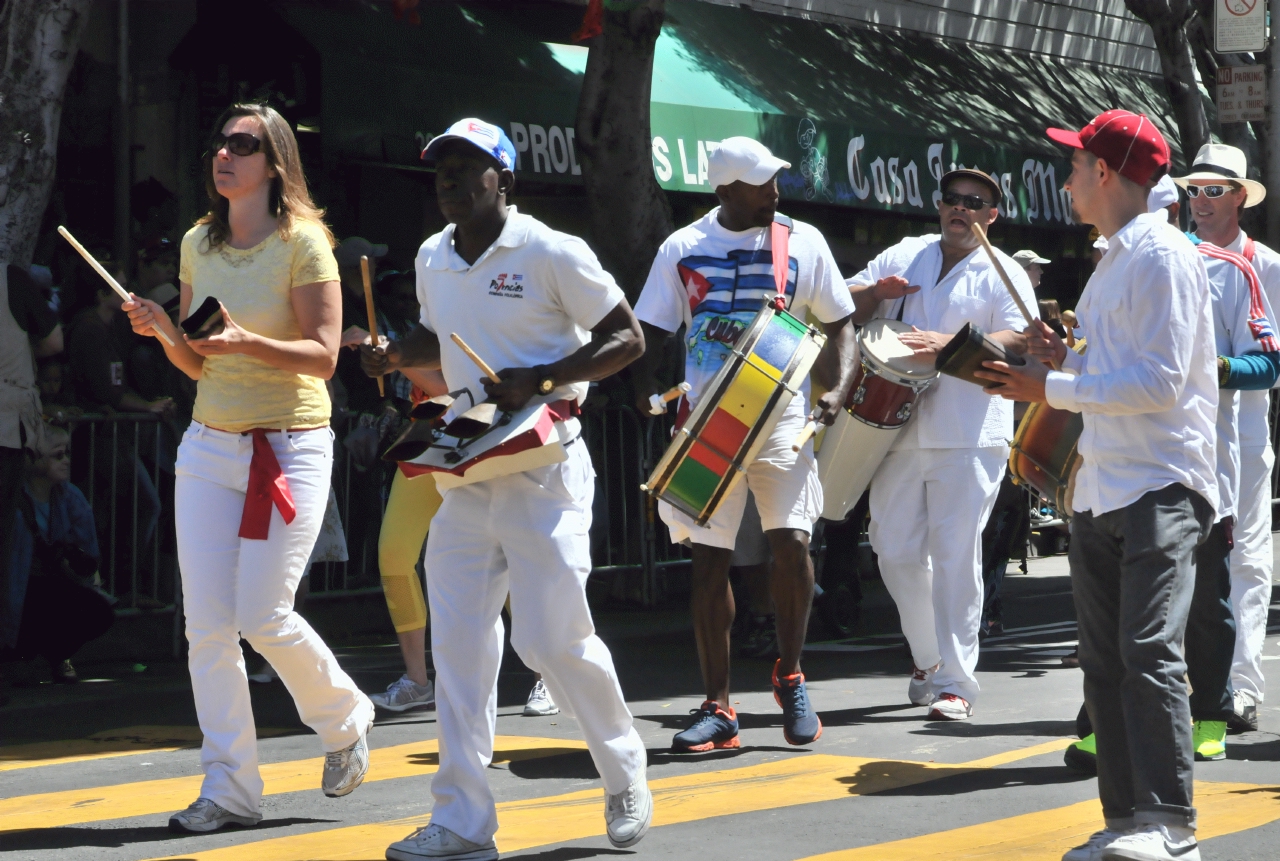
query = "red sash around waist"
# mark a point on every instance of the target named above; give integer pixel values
(267, 486)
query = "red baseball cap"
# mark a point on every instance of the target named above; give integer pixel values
(1129, 143)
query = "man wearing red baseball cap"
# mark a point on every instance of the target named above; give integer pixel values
(1146, 493)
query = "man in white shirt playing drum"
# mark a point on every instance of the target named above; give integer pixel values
(535, 303)
(932, 495)
(1146, 493)
(1221, 192)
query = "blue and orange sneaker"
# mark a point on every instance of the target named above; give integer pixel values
(712, 729)
(800, 723)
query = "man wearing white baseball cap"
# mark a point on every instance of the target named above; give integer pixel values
(712, 277)
(1219, 191)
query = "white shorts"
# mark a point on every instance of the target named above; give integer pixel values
(785, 485)
(751, 546)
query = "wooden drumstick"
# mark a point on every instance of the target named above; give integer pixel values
(368, 309)
(1008, 285)
(471, 354)
(810, 428)
(106, 276)
(658, 403)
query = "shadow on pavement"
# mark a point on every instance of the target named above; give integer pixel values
(114, 838)
(568, 853)
(1046, 728)
(983, 779)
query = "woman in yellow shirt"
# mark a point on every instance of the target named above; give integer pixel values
(253, 469)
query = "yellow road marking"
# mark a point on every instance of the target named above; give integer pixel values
(56, 809)
(1223, 808)
(108, 743)
(1021, 753)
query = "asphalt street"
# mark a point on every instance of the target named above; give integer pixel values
(93, 771)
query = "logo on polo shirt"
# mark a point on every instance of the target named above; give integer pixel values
(507, 285)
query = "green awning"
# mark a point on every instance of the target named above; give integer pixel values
(867, 119)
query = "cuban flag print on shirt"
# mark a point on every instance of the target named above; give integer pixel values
(725, 294)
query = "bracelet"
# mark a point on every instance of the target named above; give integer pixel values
(1224, 370)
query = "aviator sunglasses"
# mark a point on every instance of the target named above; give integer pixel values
(970, 201)
(1210, 191)
(240, 143)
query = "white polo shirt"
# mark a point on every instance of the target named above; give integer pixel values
(1147, 385)
(952, 413)
(1255, 432)
(530, 299)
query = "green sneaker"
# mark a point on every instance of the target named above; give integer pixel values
(1209, 738)
(1083, 755)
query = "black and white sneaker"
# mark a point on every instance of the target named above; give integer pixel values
(1152, 842)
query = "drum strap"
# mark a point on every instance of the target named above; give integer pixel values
(780, 240)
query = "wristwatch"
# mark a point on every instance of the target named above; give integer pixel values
(546, 382)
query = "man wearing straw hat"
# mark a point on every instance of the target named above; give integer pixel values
(934, 492)
(1218, 192)
(535, 303)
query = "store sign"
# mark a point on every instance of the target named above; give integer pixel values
(1242, 94)
(1239, 26)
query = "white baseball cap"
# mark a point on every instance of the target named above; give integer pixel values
(741, 158)
(1164, 194)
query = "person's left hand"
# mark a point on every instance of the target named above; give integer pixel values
(518, 386)
(924, 343)
(353, 337)
(232, 338)
(827, 408)
(1015, 383)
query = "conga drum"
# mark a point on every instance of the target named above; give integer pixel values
(1044, 454)
(736, 414)
(884, 392)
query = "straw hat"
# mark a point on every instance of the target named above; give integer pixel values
(1222, 162)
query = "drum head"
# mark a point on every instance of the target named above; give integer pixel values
(884, 352)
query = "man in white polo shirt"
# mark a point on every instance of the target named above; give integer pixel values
(932, 495)
(535, 303)
(1218, 190)
(1146, 493)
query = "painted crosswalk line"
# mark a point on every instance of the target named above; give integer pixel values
(150, 797)
(1222, 808)
(795, 780)
(125, 741)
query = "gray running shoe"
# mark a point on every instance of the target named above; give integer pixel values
(540, 703)
(628, 814)
(404, 694)
(207, 815)
(345, 769)
(1244, 717)
(436, 841)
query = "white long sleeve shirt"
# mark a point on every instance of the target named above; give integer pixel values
(1254, 405)
(1147, 384)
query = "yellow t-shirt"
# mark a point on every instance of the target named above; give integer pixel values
(237, 392)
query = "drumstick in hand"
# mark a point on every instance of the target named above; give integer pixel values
(471, 354)
(368, 309)
(658, 403)
(810, 428)
(1004, 277)
(106, 276)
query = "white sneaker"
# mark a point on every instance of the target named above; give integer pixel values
(950, 707)
(436, 841)
(628, 814)
(207, 815)
(265, 676)
(1091, 849)
(404, 694)
(345, 769)
(1153, 842)
(540, 703)
(1244, 716)
(920, 689)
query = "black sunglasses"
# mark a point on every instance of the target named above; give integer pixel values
(970, 201)
(240, 143)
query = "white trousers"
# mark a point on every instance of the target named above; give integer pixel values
(525, 534)
(235, 587)
(928, 509)
(1251, 563)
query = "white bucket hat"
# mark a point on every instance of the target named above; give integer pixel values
(1219, 161)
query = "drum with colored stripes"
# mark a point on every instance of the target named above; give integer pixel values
(736, 414)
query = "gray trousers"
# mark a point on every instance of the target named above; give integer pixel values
(1133, 575)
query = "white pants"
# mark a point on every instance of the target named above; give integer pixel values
(235, 587)
(785, 484)
(928, 509)
(526, 534)
(1251, 564)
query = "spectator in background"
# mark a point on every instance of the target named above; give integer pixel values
(27, 326)
(56, 398)
(52, 564)
(1031, 263)
(362, 391)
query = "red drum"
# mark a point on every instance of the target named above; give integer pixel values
(889, 381)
